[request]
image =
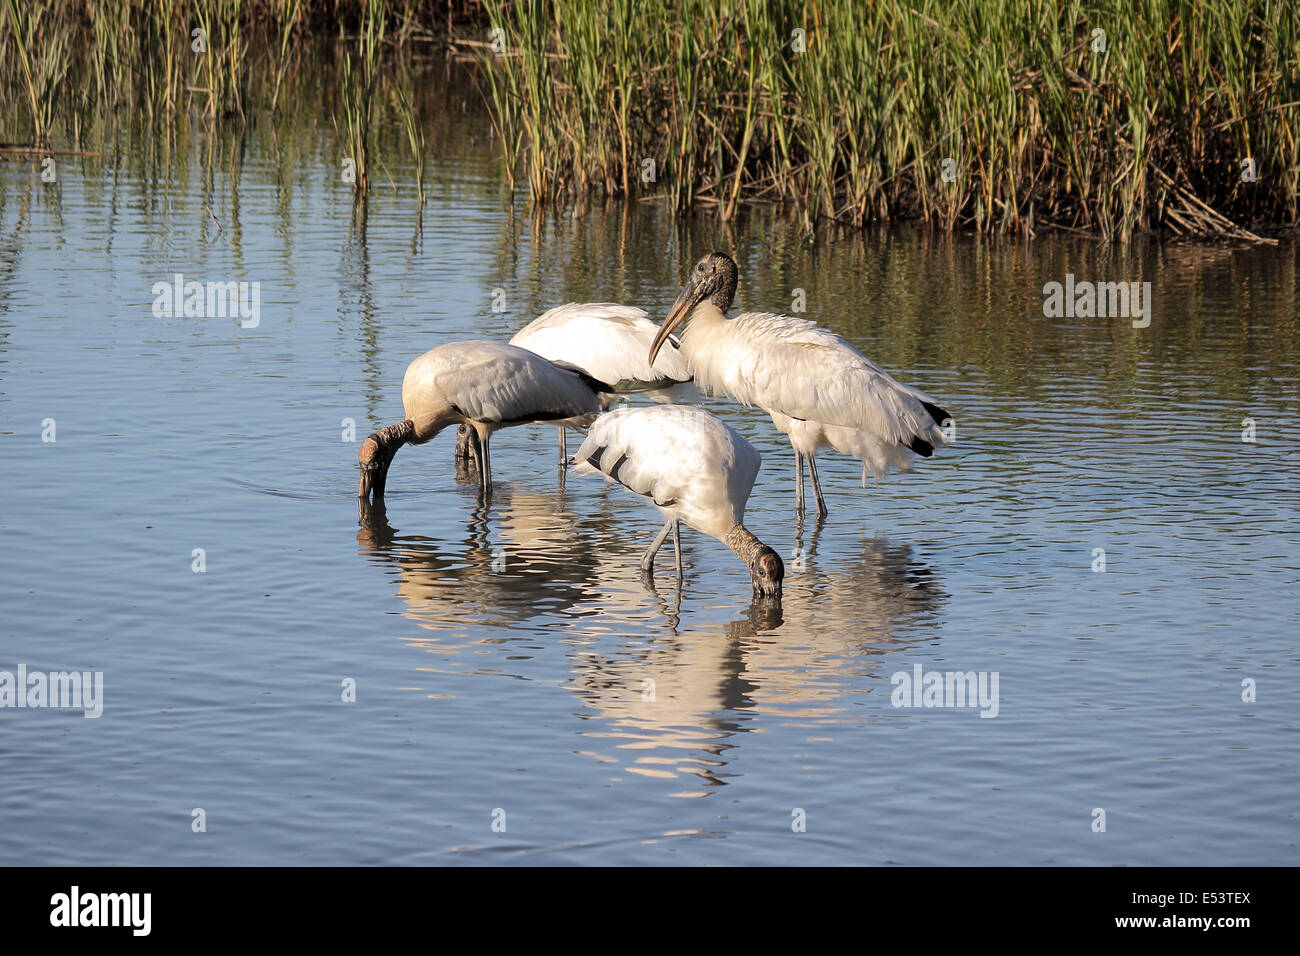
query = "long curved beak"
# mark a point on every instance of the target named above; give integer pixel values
(681, 309)
(365, 456)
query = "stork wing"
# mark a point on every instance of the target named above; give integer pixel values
(499, 383)
(803, 371)
(609, 342)
(681, 456)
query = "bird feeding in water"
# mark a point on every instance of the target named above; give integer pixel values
(608, 342)
(695, 468)
(482, 385)
(819, 389)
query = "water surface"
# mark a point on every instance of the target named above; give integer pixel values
(511, 658)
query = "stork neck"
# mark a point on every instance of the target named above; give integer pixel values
(728, 276)
(395, 436)
(743, 543)
(704, 316)
(723, 298)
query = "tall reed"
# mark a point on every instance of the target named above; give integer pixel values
(404, 105)
(358, 86)
(42, 69)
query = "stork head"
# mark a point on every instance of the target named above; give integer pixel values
(713, 278)
(766, 571)
(765, 567)
(467, 444)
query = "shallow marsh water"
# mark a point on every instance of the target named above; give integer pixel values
(511, 658)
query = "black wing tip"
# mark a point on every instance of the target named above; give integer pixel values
(593, 383)
(938, 414)
(921, 447)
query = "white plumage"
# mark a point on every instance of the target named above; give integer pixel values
(819, 389)
(688, 461)
(694, 467)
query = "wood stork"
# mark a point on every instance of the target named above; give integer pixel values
(483, 385)
(608, 342)
(695, 468)
(819, 389)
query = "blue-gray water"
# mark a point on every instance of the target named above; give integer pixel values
(511, 659)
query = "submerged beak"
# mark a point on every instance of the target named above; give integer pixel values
(376, 454)
(688, 300)
(366, 458)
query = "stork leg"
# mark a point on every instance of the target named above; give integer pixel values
(564, 452)
(817, 486)
(484, 463)
(798, 483)
(677, 543)
(648, 559)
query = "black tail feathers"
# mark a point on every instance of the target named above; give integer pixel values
(920, 445)
(593, 383)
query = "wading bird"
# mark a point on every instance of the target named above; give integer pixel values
(608, 342)
(695, 468)
(483, 385)
(819, 389)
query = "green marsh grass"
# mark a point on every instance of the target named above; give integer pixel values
(404, 95)
(992, 115)
(1037, 122)
(138, 54)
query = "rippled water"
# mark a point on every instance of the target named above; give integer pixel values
(510, 664)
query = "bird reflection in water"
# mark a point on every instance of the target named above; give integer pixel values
(521, 557)
(673, 702)
(677, 703)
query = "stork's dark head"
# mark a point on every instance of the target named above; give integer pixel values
(767, 571)
(467, 444)
(714, 278)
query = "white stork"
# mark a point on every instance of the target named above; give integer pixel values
(695, 468)
(483, 385)
(609, 343)
(819, 389)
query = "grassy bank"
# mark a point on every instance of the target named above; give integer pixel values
(65, 65)
(173, 54)
(996, 115)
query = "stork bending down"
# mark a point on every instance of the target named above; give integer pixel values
(482, 385)
(695, 468)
